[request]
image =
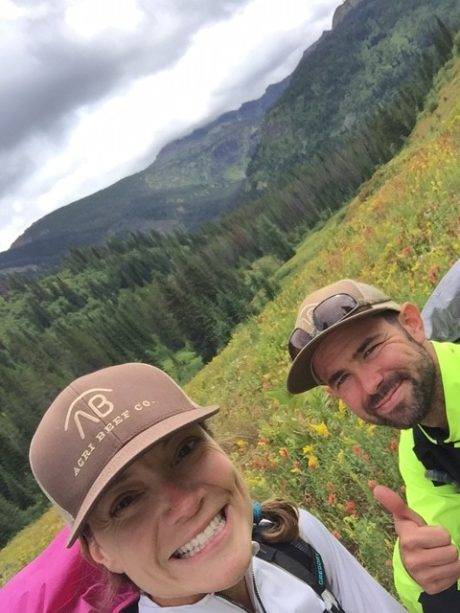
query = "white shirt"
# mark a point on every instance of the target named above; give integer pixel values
(281, 592)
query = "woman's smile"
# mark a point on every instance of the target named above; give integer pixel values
(206, 540)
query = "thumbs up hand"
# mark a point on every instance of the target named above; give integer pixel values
(427, 552)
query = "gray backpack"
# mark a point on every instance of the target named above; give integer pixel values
(441, 313)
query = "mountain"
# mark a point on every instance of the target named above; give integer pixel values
(342, 10)
(192, 180)
(376, 49)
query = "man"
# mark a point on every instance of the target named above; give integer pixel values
(373, 354)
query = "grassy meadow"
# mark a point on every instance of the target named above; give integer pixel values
(400, 233)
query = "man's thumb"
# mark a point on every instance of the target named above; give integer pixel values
(395, 505)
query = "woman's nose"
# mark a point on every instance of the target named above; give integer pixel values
(182, 501)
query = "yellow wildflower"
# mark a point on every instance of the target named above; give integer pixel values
(320, 429)
(312, 462)
(342, 407)
(308, 450)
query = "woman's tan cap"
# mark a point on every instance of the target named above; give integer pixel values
(98, 425)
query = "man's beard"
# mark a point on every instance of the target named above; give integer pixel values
(406, 414)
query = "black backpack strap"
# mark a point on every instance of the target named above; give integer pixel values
(441, 460)
(301, 560)
(133, 607)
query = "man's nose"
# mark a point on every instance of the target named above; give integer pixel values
(370, 379)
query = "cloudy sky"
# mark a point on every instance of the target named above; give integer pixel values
(90, 90)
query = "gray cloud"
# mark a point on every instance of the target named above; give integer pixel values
(52, 73)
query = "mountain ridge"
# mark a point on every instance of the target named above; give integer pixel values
(366, 59)
(205, 168)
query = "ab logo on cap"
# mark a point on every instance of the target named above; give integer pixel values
(98, 404)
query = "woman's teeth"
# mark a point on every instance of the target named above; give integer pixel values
(201, 540)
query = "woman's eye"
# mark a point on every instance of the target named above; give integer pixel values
(185, 449)
(121, 504)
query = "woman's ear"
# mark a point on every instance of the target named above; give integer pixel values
(99, 556)
(411, 320)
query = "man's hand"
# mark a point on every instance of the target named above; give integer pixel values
(426, 551)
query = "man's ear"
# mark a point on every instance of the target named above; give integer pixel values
(99, 556)
(411, 320)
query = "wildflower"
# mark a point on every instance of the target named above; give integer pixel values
(312, 462)
(433, 273)
(393, 446)
(350, 507)
(241, 443)
(296, 467)
(406, 251)
(284, 453)
(331, 499)
(342, 407)
(263, 442)
(371, 429)
(320, 429)
(308, 450)
(357, 451)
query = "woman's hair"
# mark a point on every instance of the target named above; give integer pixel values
(284, 521)
(112, 583)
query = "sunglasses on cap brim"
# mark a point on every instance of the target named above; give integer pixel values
(327, 313)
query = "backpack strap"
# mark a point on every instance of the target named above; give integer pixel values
(441, 460)
(302, 560)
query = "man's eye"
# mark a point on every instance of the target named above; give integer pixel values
(370, 350)
(122, 503)
(341, 380)
(185, 449)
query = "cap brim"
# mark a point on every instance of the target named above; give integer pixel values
(128, 453)
(300, 377)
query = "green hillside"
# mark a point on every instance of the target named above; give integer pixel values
(401, 233)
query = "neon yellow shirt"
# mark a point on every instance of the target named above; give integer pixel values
(438, 505)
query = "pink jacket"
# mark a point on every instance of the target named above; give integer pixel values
(59, 580)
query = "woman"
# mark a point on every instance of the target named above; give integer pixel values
(157, 503)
